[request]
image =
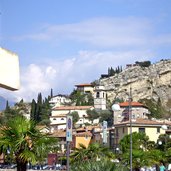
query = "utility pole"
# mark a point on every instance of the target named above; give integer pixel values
(130, 119)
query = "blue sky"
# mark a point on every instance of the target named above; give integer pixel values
(61, 43)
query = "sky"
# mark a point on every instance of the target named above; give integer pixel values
(61, 43)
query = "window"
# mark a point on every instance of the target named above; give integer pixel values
(142, 130)
(133, 116)
(97, 95)
(117, 132)
(158, 130)
(123, 130)
(86, 137)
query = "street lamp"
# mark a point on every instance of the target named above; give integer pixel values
(130, 119)
(115, 107)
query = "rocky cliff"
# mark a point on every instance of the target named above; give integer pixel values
(153, 82)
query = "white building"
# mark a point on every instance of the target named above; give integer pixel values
(100, 98)
(59, 100)
(85, 88)
(58, 116)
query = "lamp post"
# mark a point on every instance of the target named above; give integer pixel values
(115, 107)
(130, 119)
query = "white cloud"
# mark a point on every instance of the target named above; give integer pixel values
(118, 34)
(103, 32)
(63, 75)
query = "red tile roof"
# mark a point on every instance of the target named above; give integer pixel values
(84, 85)
(83, 134)
(88, 128)
(140, 121)
(73, 107)
(133, 104)
(59, 133)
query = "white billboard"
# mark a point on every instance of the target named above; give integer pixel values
(9, 70)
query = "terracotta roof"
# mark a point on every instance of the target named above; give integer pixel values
(88, 128)
(140, 121)
(133, 104)
(59, 133)
(83, 134)
(62, 134)
(72, 107)
(84, 85)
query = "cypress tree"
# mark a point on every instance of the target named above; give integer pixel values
(51, 93)
(33, 110)
(39, 108)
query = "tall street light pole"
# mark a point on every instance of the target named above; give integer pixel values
(115, 107)
(130, 119)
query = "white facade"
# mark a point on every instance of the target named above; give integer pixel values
(85, 88)
(100, 98)
(59, 100)
(58, 115)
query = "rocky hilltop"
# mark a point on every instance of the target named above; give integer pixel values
(153, 82)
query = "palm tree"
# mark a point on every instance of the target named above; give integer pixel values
(91, 165)
(140, 150)
(24, 141)
(93, 152)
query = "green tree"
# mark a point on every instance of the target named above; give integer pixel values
(140, 147)
(33, 110)
(25, 142)
(106, 115)
(46, 111)
(144, 63)
(81, 99)
(51, 93)
(9, 112)
(156, 109)
(102, 165)
(40, 110)
(93, 152)
(75, 117)
(92, 114)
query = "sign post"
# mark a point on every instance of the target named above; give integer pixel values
(68, 137)
(104, 132)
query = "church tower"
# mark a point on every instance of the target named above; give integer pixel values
(99, 97)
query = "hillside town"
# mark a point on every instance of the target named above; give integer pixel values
(128, 116)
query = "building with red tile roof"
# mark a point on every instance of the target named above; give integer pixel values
(152, 128)
(58, 116)
(85, 88)
(138, 110)
(133, 104)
